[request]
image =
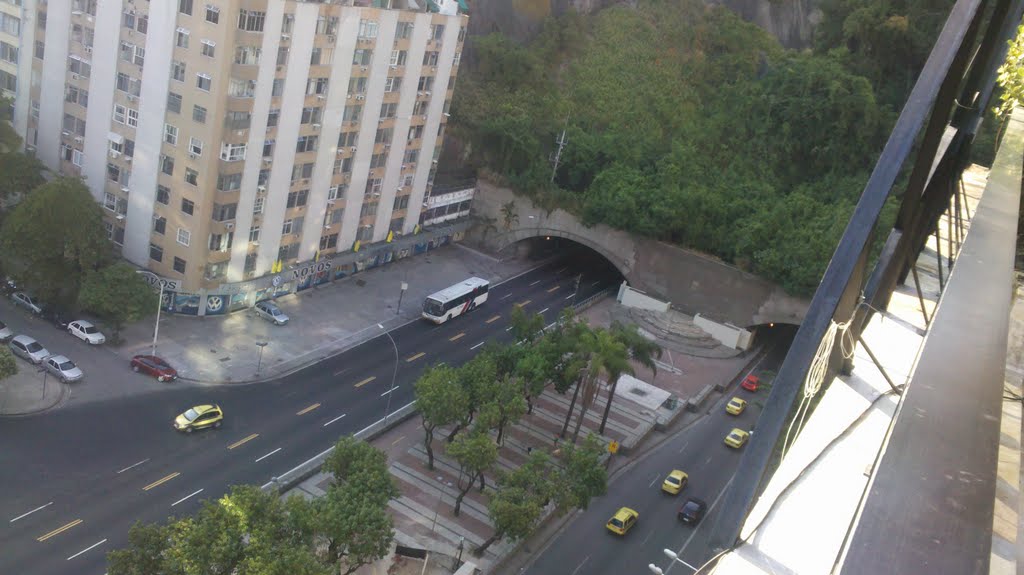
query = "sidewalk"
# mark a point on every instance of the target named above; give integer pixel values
(28, 392)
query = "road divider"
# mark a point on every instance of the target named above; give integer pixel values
(160, 482)
(89, 548)
(457, 336)
(494, 319)
(58, 530)
(132, 466)
(23, 515)
(259, 459)
(193, 494)
(335, 419)
(413, 358)
(308, 409)
(367, 380)
(243, 440)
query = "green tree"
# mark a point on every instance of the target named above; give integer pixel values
(22, 174)
(475, 453)
(526, 327)
(532, 372)
(514, 512)
(505, 405)
(8, 366)
(509, 215)
(117, 295)
(9, 138)
(642, 350)
(606, 355)
(1011, 75)
(441, 400)
(145, 552)
(475, 376)
(53, 238)
(582, 476)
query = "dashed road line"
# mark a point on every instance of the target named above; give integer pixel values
(243, 440)
(58, 530)
(570, 296)
(259, 459)
(23, 515)
(133, 465)
(89, 548)
(595, 283)
(535, 283)
(335, 419)
(524, 303)
(580, 566)
(159, 482)
(477, 345)
(494, 319)
(194, 493)
(340, 371)
(367, 380)
(543, 310)
(308, 409)
(554, 289)
(413, 358)
(457, 336)
(506, 296)
(390, 390)
(509, 328)
(561, 270)
(683, 448)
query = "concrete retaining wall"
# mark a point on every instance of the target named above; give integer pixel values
(630, 297)
(729, 335)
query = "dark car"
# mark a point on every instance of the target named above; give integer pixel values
(153, 365)
(57, 317)
(692, 511)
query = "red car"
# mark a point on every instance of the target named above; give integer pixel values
(153, 365)
(750, 383)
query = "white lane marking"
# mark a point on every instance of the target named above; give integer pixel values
(30, 512)
(133, 465)
(93, 546)
(509, 328)
(570, 296)
(535, 283)
(683, 448)
(653, 480)
(649, 533)
(335, 419)
(595, 283)
(506, 296)
(561, 270)
(477, 345)
(578, 567)
(340, 371)
(186, 497)
(268, 455)
(543, 310)
(390, 390)
(708, 461)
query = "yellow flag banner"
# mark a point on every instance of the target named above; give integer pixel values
(355, 247)
(391, 236)
(417, 229)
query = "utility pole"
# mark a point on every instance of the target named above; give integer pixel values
(561, 141)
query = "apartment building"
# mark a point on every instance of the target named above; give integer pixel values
(228, 139)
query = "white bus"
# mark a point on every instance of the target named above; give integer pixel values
(455, 300)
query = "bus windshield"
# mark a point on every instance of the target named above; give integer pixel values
(433, 307)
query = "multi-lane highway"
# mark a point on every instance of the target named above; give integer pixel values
(585, 546)
(75, 480)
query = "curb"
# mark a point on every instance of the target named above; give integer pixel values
(64, 393)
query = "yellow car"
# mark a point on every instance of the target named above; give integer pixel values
(622, 521)
(736, 438)
(199, 417)
(675, 482)
(736, 406)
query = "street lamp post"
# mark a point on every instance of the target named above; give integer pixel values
(43, 369)
(394, 375)
(259, 362)
(674, 557)
(405, 286)
(159, 304)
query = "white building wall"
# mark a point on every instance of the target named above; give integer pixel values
(101, 96)
(388, 25)
(287, 130)
(51, 93)
(334, 111)
(149, 136)
(26, 55)
(434, 110)
(244, 218)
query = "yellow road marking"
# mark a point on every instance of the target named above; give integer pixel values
(161, 481)
(308, 409)
(243, 440)
(552, 290)
(395, 442)
(493, 319)
(367, 380)
(415, 357)
(58, 530)
(455, 337)
(524, 304)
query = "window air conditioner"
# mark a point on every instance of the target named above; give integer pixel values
(352, 149)
(229, 226)
(124, 189)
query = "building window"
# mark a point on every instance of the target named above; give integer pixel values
(407, 180)
(118, 235)
(181, 37)
(398, 57)
(212, 14)
(178, 71)
(160, 225)
(302, 171)
(8, 53)
(163, 195)
(188, 207)
(368, 29)
(312, 115)
(298, 198)
(174, 102)
(257, 206)
(185, 7)
(232, 152)
(250, 263)
(229, 182)
(40, 49)
(397, 224)
(362, 57)
(337, 215)
(171, 134)
(272, 117)
(286, 23)
(393, 84)
(241, 88)
(184, 236)
(426, 84)
(286, 228)
(365, 233)
(74, 125)
(247, 55)
(133, 118)
(199, 114)
(195, 147)
(374, 186)
(109, 201)
(179, 265)
(329, 242)
(288, 252)
(419, 108)
(221, 242)
(204, 82)
(156, 253)
(332, 193)
(224, 212)
(352, 113)
(306, 144)
(343, 165)
(347, 139)
(129, 85)
(191, 176)
(254, 234)
(167, 165)
(430, 58)
(437, 32)
(388, 110)
(411, 156)
(368, 209)
(209, 48)
(251, 20)
(401, 202)
(404, 30)
(378, 161)
(316, 86)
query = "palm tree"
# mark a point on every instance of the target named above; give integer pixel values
(641, 350)
(609, 356)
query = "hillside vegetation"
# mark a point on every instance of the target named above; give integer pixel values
(688, 125)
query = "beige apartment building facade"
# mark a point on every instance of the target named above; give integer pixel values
(233, 141)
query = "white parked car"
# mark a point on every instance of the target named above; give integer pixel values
(86, 332)
(26, 301)
(63, 368)
(269, 311)
(27, 348)
(5, 332)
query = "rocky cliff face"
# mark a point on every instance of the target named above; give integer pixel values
(791, 21)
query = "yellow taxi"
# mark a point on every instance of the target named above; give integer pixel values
(736, 406)
(624, 519)
(675, 482)
(199, 417)
(736, 438)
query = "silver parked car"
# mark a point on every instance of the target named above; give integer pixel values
(269, 311)
(26, 301)
(63, 368)
(5, 332)
(86, 332)
(27, 348)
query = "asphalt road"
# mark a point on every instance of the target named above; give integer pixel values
(585, 546)
(74, 480)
